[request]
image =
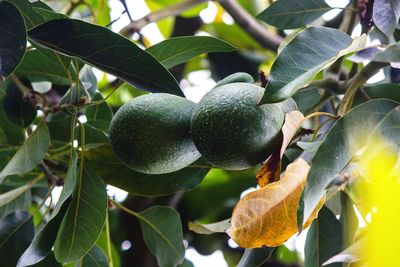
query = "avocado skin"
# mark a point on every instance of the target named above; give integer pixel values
(231, 131)
(151, 133)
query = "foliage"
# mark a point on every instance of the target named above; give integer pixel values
(65, 70)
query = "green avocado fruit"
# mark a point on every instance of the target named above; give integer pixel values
(231, 130)
(151, 133)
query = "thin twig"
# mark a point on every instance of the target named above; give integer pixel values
(248, 23)
(362, 77)
(173, 10)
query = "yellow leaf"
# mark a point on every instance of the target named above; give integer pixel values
(268, 216)
(270, 171)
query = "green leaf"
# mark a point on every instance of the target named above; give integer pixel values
(162, 232)
(340, 145)
(389, 55)
(29, 154)
(384, 90)
(113, 172)
(211, 228)
(84, 220)
(101, 10)
(19, 110)
(34, 13)
(12, 39)
(308, 99)
(311, 51)
(49, 261)
(255, 257)
(386, 14)
(288, 14)
(95, 257)
(69, 182)
(177, 50)
(16, 233)
(44, 65)
(106, 50)
(43, 241)
(350, 254)
(98, 112)
(324, 239)
(16, 199)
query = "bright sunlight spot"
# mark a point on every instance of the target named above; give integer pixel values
(216, 259)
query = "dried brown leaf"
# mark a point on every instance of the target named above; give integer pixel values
(270, 171)
(268, 216)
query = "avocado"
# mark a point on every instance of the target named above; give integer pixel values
(151, 133)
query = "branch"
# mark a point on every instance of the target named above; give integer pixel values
(248, 23)
(173, 10)
(362, 77)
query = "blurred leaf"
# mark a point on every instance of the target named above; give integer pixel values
(268, 216)
(101, 11)
(186, 263)
(211, 228)
(255, 257)
(102, 243)
(188, 13)
(19, 110)
(232, 34)
(350, 254)
(271, 169)
(348, 219)
(16, 199)
(107, 51)
(288, 14)
(113, 172)
(29, 154)
(386, 14)
(95, 257)
(84, 220)
(43, 242)
(162, 232)
(16, 233)
(12, 39)
(311, 51)
(341, 143)
(311, 147)
(44, 65)
(324, 239)
(177, 50)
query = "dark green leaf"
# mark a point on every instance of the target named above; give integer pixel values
(162, 232)
(255, 257)
(93, 136)
(384, 90)
(310, 51)
(16, 199)
(43, 241)
(117, 174)
(44, 65)
(49, 261)
(386, 14)
(177, 50)
(324, 239)
(186, 263)
(288, 14)
(84, 220)
(16, 233)
(18, 109)
(348, 219)
(350, 254)
(308, 99)
(29, 154)
(95, 258)
(339, 147)
(12, 38)
(106, 50)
